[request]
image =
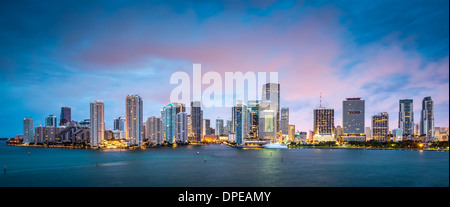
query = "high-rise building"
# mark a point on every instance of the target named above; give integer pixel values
(291, 134)
(253, 106)
(154, 130)
(270, 100)
(417, 129)
(119, 123)
(324, 125)
(427, 118)
(284, 120)
(219, 127)
(134, 119)
(28, 130)
(338, 132)
(50, 120)
(267, 126)
(182, 127)
(240, 114)
(353, 117)
(169, 118)
(406, 117)
(97, 125)
(380, 126)
(65, 116)
(206, 127)
(196, 121)
(46, 134)
(229, 127)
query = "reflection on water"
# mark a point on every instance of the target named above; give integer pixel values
(224, 166)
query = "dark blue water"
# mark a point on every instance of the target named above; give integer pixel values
(224, 166)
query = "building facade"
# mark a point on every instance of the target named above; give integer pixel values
(427, 118)
(134, 119)
(97, 125)
(380, 126)
(66, 116)
(324, 125)
(28, 130)
(406, 117)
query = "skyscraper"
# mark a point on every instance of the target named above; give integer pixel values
(28, 130)
(284, 120)
(154, 130)
(65, 116)
(291, 133)
(324, 125)
(380, 126)
(253, 106)
(97, 125)
(51, 121)
(206, 127)
(169, 118)
(353, 117)
(182, 127)
(219, 127)
(270, 100)
(240, 122)
(406, 117)
(427, 118)
(134, 119)
(196, 121)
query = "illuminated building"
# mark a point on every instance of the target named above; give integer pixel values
(267, 126)
(169, 118)
(270, 101)
(406, 117)
(134, 119)
(119, 123)
(97, 123)
(427, 118)
(323, 125)
(240, 123)
(368, 132)
(284, 123)
(182, 127)
(28, 130)
(206, 127)
(154, 128)
(65, 116)
(380, 126)
(253, 106)
(353, 117)
(196, 121)
(50, 120)
(291, 133)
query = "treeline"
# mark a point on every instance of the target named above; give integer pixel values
(409, 144)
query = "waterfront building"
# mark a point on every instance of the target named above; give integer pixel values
(253, 107)
(154, 130)
(206, 127)
(291, 134)
(406, 117)
(284, 120)
(380, 126)
(270, 106)
(65, 116)
(72, 133)
(182, 127)
(50, 120)
(339, 132)
(119, 123)
(368, 132)
(240, 116)
(134, 119)
(196, 121)
(229, 126)
(353, 118)
(324, 125)
(28, 130)
(47, 134)
(427, 118)
(97, 125)
(169, 118)
(417, 129)
(397, 135)
(219, 127)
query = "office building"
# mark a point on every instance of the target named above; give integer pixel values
(284, 120)
(154, 130)
(196, 121)
(219, 127)
(324, 125)
(270, 101)
(169, 118)
(253, 107)
(353, 118)
(182, 127)
(240, 123)
(50, 120)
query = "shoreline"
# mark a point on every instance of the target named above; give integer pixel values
(200, 144)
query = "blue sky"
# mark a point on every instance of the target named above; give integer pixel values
(70, 53)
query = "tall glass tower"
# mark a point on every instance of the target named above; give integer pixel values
(427, 118)
(406, 117)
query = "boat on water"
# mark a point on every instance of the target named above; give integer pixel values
(275, 146)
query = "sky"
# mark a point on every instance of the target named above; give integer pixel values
(69, 53)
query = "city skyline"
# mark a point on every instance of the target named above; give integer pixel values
(321, 48)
